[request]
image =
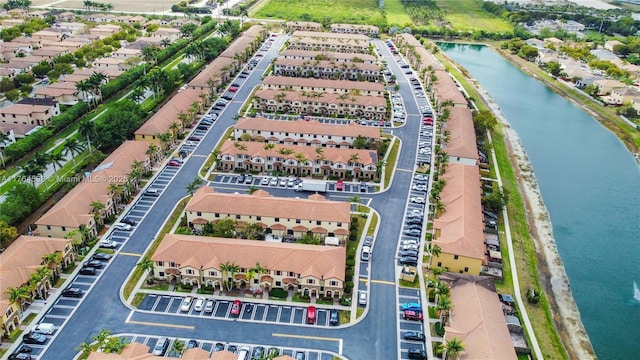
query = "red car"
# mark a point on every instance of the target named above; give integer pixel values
(340, 185)
(413, 315)
(173, 163)
(233, 89)
(427, 121)
(235, 307)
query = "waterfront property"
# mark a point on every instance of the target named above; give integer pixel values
(26, 271)
(328, 55)
(461, 145)
(311, 270)
(323, 86)
(326, 41)
(276, 215)
(327, 69)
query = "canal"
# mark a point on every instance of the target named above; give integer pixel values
(591, 186)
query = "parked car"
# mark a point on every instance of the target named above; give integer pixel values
(161, 347)
(366, 253)
(362, 298)
(412, 315)
(417, 354)
(122, 226)
(208, 306)
(93, 263)
(274, 181)
(409, 242)
(233, 89)
(34, 338)
(193, 138)
(218, 347)
(363, 186)
(87, 270)
(235, 307)
(186, 304)
(414, 335)
(368, 240)
(199, 304)
(339, 185)
(152, 192)
(257, 353)
(418, 200)
(411, 306)
(419, 187)
(241, 178)
(192, 344)
(108, 243)
(299, 355)
(264, 181)
(129, 221)
(409, 252)
(409, 260)
(44, 328)
(232, 349)
(72, 292)
(334, 317)
(248, 179)
(100, 256)
(202, 127)
(415, 233)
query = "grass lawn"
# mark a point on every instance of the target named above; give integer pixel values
(359, 311)
(162, 287)
(29, 319)
(345, 316)
(392, 159)
(468, 15)
(296, 298)
(396, 15)
(335, 11)
(415, 284)
(137, 299)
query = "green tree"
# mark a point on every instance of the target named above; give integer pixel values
(496, 201)
(229, 270)
(8, 233)
(56, 159)
(87, 129)
(31, 171)
(194, 185)
(20, 201)
(72, 147)
(483, 121)
(453, 348)
(225, 228)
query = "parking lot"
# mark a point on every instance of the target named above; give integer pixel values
(407, 296)
(254, 312)
(327, 120)
(214, 346)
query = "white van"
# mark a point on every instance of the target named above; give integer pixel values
(44, 328)
(244, 353)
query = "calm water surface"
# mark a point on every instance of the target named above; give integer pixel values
(591, 186)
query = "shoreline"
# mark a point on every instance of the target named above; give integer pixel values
(553, 277)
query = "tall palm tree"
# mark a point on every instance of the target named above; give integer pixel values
(41, 159)
(72, 147)
(229, 269)
(146, 265)
(30, 170)
(152, 152)
(301, 159)
(116, 191)
(435, 250)
(83, 87)
(165, 139)
(56, 160)
(96, 208)
(453, 348)
(87, 129)
(18, 294)
(443, 307)
(175, 129)
(3, 139)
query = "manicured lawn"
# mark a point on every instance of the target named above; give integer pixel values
(468, 15)
(323, 11)
(396, 15)
(391, 162)
(415, 284)
(137, 299)
(29, 319)
(296, 298)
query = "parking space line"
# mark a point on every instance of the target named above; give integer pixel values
(146, 323)
(307, 337)
(129, 254)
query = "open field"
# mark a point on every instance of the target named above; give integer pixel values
(396, 15)
(323, 11)
(468, 15)
(142, 6)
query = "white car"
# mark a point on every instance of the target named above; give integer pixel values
(264, 181)
(418, 199)
(409, 247)
(108, 243)
(208, 307)
(419, 188)
(199, 304)
(409, 242)
(274, 181)
(186, 304)
(421, 177)
(362, 298)
(122, 226)
(290, 182)
(44, 328)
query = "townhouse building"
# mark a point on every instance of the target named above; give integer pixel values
(310, 270)
(328, 55)
(323, 85)
(112, 63)
(30, 111)
(65, 16)
(325, 41)
(104, 30)
(624, 96)
(368, 30)
(461, 146)
(18, 262)
(214, 75)
(323, 104)
(298, 159)
(459, 230)
(47, 35)
(327, 69)
(302, 132)
(292, 26)
(78, 207)
(445, 89)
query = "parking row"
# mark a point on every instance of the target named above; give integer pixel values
(243, 311)
(411, 324)
(290, 183)
(328, 120)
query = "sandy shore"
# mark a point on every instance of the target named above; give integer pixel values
(552, 273)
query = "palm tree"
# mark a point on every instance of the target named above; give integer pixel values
(259, 269)
(85, 348)
(19, 295)
(3, 139)
(177, 347)
(96, 208)
(72, 147)
(83, 87)
(152, 152)
(56, 159)
(194, 185)
(175, 129)
(230, 269)
(443, 307)
(165, 139)
(435, 250)
(116, 191)
(87, 129)
(41, 159)
(146, 265)
(31, 171)
(301, 158)
(453, 348)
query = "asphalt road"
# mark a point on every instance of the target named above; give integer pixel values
(373, 336)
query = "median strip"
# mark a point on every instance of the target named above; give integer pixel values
(146, 323)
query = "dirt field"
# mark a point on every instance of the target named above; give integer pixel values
(139, 6)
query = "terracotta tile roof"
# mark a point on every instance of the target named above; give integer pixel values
(461, 227)
(261, 203)
(283, 81)
(22, 258)
(447, 89)
(18, 129)
(195, 354)
(302, 126)
(224, 355)
(327, 54)
(477, 319)
(354, 26)
(132, 351)
(22, 109)
(211, 71)
(74, 209)
(326, 64)
(254, 31)
(203, 252)
(303, 24)
(326, 98)
(335, 155)
(168, 113)
(462, 140)
(238, 46)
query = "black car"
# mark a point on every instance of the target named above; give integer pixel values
(411, 253)
(414, 227)
(409, 260)
(100, 256)
(227, 96)
(93, 263)
(414, 221)
(202, 127)
(87, 270)
(414, 233)
(417, 354)
(129, 221)
(232, 348)
(414, 335)
(334, 317)
(34, 338)
(192, 344)
(219, 347)
(20, 356)
(72, 292)
(235, 85)
(257, 353)
(241, 178)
